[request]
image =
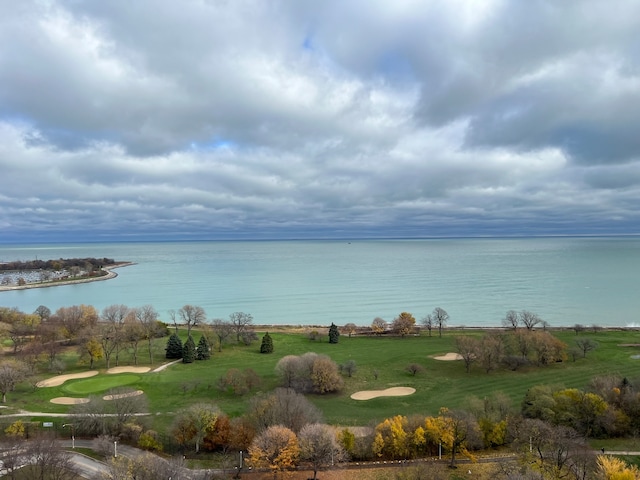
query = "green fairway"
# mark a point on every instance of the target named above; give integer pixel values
(100, 384)
(380, 362)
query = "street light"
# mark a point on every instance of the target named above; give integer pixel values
(115, 449)
(73, 436)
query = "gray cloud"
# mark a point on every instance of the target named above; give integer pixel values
(270, 119)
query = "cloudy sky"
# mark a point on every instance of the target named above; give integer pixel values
(197, 119)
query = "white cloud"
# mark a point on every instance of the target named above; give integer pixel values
(302, 119)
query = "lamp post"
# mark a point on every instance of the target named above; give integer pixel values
(239, 467)
(73, 436)
(115, 449)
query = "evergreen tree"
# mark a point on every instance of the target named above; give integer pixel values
(334, 334)
(189, 351)
(203, 352)
(174, 347)
(267, 344)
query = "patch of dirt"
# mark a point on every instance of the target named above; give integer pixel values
(128, 370)
(60, 379)
(449, 357)
(68, 400)
(123, 395)
(389, 392)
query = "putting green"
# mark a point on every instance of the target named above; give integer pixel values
(100, 383)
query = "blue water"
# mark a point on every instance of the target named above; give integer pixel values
(564, 280)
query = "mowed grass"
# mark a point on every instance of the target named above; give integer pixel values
(100, 384)
(440, 384)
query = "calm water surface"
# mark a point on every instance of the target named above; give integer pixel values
(564, 280)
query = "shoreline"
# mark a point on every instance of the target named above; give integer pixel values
(109, 269)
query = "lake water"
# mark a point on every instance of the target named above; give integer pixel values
(564, 280)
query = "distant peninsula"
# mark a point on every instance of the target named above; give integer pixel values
(19, 275)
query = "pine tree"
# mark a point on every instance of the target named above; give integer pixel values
(267, 344)
(174, 347)
(189, 351)
(203, 352)
(334, 334)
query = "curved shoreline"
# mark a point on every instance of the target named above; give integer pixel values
(110, 274)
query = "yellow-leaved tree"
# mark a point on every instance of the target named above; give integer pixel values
(613, 468)
(276, 448)
(453, 430)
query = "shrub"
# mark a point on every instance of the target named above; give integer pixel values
(149, 440)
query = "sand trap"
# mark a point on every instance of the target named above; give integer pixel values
(389, 392)
(128, 370)
(449, 357)
(60, 379)
(123, 395)
(68, 400)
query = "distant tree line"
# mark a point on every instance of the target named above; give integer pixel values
(60, 264)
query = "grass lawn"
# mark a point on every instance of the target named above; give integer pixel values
(100, 383)
(439, 384)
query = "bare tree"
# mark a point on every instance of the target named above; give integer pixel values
(222, 330)
(125, 404)
(350, 329)
(468, 348)
(529, 319)
(75, 319)
(133, 333)
(241, 322)
(490, 352)
(147, 317)
(192, 316)
(349, 367)
(14, 454)
(586, 345)
(48, 459)
(511, 320)
(427, 322)
(107, 415)
(379, 326)
(146, 467)
(288, 368)
(319, 446)
(113, 318)
(11, 373)
(283, 407)
(440, 319)
(414, 368)
(43, 312)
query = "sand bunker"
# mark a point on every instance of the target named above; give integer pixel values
(60, 379)
(389, 392)
(123, 395)
(128, 370)
(68, 400)
(449, 357)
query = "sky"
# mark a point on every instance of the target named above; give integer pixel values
(254, 119)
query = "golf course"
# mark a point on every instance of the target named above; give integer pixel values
(380, 364)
